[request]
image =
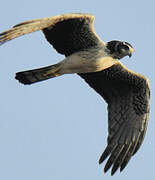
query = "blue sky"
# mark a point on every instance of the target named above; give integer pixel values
(57, 129)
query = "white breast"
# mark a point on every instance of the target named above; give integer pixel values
(92, 60)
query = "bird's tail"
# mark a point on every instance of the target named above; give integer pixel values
(36, 75)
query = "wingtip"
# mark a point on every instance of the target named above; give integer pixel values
(103, 157)
(106, 168)
(123, 166)
(105, 154)
(114, 169)
(100, 160)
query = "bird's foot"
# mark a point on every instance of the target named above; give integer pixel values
(53, 72)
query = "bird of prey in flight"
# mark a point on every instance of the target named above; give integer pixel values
(127, 93)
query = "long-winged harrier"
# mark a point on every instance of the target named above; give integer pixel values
(126, 92)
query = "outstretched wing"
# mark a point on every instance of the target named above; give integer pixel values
(128, 96)
(67, 33)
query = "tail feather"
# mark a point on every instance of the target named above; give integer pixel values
(36, 75)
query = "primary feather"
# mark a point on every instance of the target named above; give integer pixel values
(126, 93)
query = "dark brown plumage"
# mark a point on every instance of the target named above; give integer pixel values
(126, 93)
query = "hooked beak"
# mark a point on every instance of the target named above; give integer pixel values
(131, 50)
(130, 54)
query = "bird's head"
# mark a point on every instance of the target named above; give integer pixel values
(119, 49)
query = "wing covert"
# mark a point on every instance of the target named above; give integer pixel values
(67, 33)
(72, 34)
(128, 96)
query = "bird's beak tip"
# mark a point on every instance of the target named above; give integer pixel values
(130, 52)
(130, 55)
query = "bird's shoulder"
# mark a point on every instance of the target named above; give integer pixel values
(118, 79)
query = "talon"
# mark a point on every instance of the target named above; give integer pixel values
(56, 74)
